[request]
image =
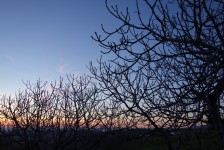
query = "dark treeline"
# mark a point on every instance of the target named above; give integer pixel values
(163, 82)
(64, 115)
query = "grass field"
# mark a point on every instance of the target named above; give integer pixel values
(182, 142)
(129, 140)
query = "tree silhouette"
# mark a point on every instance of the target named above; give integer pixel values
(51, 116)
(28, 115)
(167, 63)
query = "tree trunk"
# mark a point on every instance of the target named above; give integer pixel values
(214, 118)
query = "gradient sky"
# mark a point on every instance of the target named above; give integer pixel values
(47, 39)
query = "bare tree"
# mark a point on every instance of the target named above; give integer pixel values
(77, 110)
(52, 116)
(168, 63)
(27, 115)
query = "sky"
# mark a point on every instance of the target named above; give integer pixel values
(46, 39)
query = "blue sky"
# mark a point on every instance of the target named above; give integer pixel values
(47, 39)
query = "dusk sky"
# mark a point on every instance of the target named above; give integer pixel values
(47, 39)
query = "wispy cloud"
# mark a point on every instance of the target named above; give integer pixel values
(64, 69)
(9, 58)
